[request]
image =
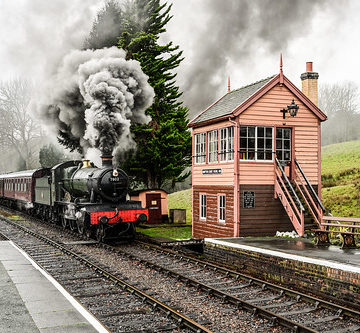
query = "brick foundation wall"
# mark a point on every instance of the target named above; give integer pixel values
(334, 284)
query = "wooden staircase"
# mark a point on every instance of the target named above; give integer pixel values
(299, 199)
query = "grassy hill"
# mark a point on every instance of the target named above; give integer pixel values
(341, 178)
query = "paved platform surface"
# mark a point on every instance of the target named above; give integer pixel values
(29, 302)
(298, 249)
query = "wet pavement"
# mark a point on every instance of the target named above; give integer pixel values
(30, 302)
(299, 249)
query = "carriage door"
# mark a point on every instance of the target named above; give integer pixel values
(153, 203)
(283, 148)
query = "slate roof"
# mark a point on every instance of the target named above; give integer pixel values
(230, 101)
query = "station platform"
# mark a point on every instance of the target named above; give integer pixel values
(32, 301)
(328, 272)
(301, 249)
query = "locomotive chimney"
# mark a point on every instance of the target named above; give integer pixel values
(106, 160)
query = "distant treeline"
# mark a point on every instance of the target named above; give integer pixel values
(340, 102)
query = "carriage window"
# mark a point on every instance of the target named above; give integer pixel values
(256, 143)
(200, 148)
(213, 146)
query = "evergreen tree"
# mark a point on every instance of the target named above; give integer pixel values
(49, 156)
(107, 27)
(164, 145)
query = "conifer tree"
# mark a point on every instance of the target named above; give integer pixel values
(164, 145)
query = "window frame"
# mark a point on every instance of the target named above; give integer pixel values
(211, 144)
(199, 156)
(221, 209)
(256, 160)
(203, 208)
(225, 143)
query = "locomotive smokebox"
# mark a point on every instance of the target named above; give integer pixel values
(106, 160)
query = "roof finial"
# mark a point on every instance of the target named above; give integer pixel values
(281, 70)
(228, 84)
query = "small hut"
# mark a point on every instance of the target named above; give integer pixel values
(157, 203)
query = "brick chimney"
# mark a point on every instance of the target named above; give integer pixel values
(310, 83)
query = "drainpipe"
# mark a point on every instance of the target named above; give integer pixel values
(236, 178)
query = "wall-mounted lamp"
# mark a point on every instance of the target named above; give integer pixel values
(292, 109)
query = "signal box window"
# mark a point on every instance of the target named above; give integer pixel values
(221, 204)
(256, 143)
(203, 206)
(213, 146)
(200, 148)
(227, 144)
(283, 144)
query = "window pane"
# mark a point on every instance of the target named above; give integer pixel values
(261, 143)
(251, 132)
(278, 144)
(243, 131)
(286, 144)
(260, 155)
(286, 133)
(251, 143)
(260, 131)
(268, 155)
(268, 132)
(268, 143)
(279, 133)
(243, 143)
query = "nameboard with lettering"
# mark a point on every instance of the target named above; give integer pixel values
(212, 171)
(249, 199)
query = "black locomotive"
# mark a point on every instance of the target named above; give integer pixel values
(78, 195)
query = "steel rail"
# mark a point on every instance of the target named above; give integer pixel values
(181, 319)
(238, 302)
(237, 275)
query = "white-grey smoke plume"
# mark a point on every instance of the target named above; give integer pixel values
(94, 97)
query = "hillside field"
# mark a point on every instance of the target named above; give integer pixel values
(340, 179)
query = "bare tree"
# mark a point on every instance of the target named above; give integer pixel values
(340, 103)
(18, 131)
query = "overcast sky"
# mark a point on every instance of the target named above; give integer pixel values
(240, 38)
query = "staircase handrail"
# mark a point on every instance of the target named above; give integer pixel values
(289, 184)
(310, 186)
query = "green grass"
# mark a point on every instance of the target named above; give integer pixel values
(341, 178)
(173, 233)
(181, 200)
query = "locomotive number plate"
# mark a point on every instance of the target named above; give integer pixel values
(114, 179)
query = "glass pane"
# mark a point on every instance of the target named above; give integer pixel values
(243, 131)
(278, 144)
(268, 143)
(261, 143)
(279, 133)
(243, 143)
(286, 144)
(268, 155)
(260, 155)
(287, 133)
(269, 132)
(251, 131)
(286, 155)
(260, 131)
(251, 155)
(251, 143)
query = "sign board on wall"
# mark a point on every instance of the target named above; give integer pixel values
(211, 171)
(249, 199)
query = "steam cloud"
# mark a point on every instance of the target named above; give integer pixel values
(224, 35)
(93, 98)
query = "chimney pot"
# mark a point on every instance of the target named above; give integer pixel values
(309, 67)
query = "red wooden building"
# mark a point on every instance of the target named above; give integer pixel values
(257, 160)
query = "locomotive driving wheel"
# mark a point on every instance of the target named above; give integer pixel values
(64, 222)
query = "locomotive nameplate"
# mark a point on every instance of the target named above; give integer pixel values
(249, 199)
(212, 171)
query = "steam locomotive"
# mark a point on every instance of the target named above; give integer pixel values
(77, 195)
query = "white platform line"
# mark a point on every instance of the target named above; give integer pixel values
(84, 312)
(327, 263)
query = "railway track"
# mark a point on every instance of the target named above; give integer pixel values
(118, 304)
(279, 307)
